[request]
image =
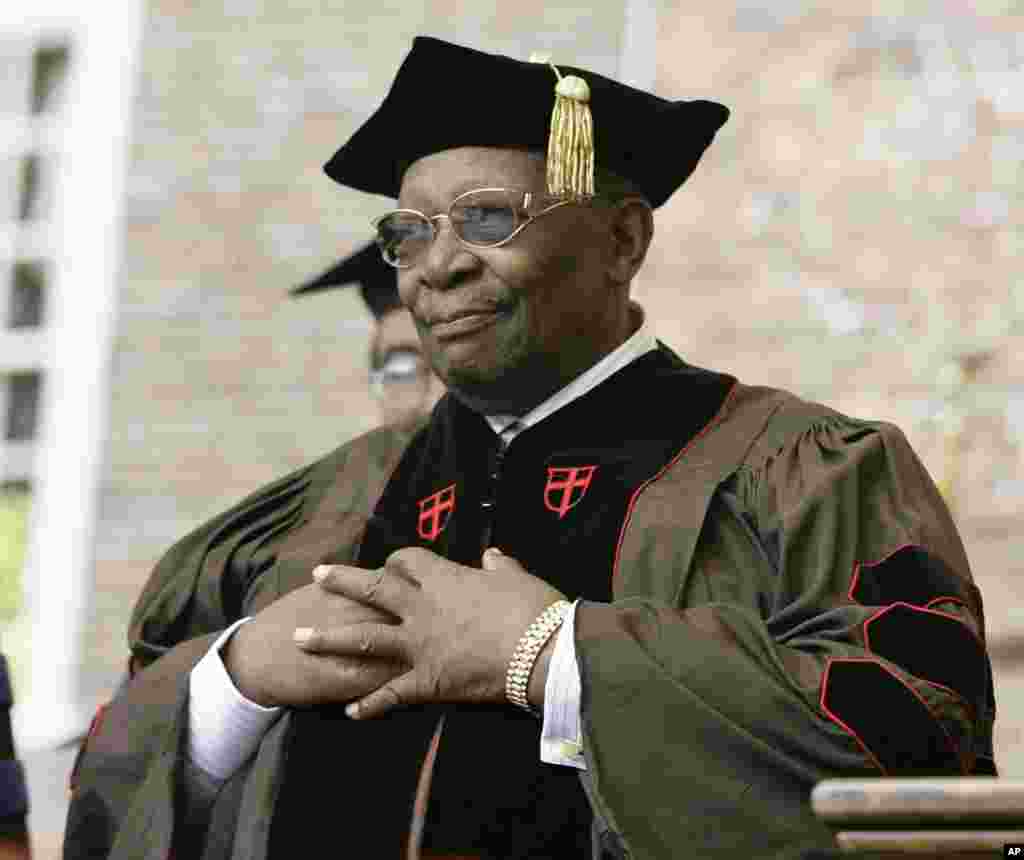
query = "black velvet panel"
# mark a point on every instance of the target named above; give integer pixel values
(349, 785)
(939, 648)
(888, 718)
(513, 497)
(491, 795)
(555, 500)
(909, 575)
(912, 575)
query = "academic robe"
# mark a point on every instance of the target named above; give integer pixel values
(773, 594)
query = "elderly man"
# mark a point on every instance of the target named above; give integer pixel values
(400, 379)
(603, 604)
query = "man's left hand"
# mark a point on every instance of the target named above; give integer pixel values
(459, 625)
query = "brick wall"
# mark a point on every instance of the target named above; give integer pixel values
(870, 173)
(220, 383)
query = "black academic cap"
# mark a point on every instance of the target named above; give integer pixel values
(378, 282)
(446, 96)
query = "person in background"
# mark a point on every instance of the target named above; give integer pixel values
(401, 381)
(14, 838)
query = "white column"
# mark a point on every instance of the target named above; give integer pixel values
(81, 307)
(638, 58)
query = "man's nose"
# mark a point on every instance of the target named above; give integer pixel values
(446, 258)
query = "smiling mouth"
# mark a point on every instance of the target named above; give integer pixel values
(470, 324)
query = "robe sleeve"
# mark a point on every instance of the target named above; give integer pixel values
(125, 801)
(123, 783)
(828, 626)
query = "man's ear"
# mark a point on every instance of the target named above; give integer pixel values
(632, 228)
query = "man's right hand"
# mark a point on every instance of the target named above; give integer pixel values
(268, 668)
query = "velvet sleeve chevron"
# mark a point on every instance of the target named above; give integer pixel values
(826, 625)
(874, 587)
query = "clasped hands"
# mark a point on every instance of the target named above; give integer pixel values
(419, 629)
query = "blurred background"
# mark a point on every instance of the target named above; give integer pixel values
(853, 235)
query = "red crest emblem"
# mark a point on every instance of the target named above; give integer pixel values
(435, 511)
(566, 487)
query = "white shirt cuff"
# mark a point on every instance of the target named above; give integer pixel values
(561, 740)
(224, 727)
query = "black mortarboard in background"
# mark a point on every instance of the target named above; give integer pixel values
(378, 282)
(446, 96)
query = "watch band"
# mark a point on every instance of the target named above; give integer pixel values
(520, 667)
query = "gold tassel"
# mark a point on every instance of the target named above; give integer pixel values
(570, 159)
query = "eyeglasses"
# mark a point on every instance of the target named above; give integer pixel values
(399, 369)
(481, 218)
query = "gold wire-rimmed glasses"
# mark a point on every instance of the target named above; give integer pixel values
(480, 218)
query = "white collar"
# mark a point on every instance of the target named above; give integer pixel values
(639, 343)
